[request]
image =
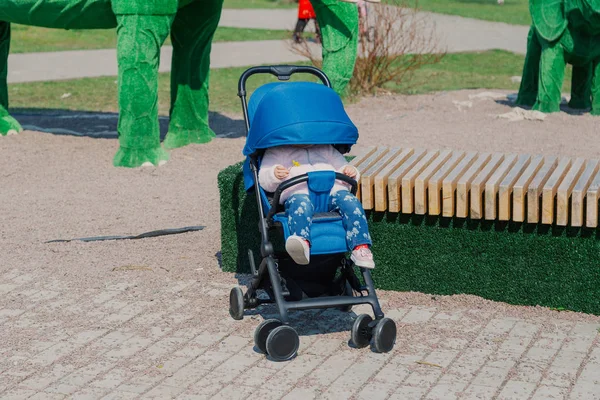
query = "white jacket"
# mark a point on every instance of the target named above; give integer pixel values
(299, 161)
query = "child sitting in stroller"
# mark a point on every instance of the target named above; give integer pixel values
(284, 162)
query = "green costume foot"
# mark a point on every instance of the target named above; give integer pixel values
(547, 107)
(133, 158)
(179, 138)
(9, 126)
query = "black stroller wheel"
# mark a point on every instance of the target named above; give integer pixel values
(282, 343)
(384, 335)
(262, 332)
(361, 332)
(236, 303)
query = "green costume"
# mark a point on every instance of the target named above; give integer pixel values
(563, 31)
(339, 30)
(142, 27)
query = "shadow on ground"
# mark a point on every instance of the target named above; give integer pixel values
(103, 125)
(306, 323)
(564, 107)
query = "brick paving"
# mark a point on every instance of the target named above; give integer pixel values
(122, 340)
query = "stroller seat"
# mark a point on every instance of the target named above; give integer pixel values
(327, 233)
(299, 113)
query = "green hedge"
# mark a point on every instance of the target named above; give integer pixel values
(514, 263)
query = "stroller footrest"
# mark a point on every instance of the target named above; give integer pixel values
(328, 302)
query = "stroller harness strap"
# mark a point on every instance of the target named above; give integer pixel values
(320, 184)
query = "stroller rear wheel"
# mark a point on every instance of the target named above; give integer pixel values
(361, 331)
(282, 343)
(262, 332)
(384, 335)
(236, 303)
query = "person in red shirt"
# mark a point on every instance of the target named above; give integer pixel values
(305, 14)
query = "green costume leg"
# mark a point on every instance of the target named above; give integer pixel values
(7, 123)
(191, 35)
(531, 71)
(139, 38)
(581, 87)
(596, 89)
(339, 29)
(552, 74)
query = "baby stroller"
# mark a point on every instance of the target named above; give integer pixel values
(298, 113)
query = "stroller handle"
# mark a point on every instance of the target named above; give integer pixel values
(303, 178)
(282, 72)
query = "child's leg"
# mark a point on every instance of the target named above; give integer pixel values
(357, 230)
(299, 211)
(354, 219)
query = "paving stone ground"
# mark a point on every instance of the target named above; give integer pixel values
(126, 339)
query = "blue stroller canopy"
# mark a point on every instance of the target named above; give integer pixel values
(295, 113)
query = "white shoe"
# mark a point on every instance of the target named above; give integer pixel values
(299, 249)
(363, 258)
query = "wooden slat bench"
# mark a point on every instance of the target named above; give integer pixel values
(490, 186)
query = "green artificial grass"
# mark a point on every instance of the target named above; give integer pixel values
(32, 39)
(514, 263)
(511, 12)
(260, 4)
(489, 69)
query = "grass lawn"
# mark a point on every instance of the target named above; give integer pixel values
(29, 39)
(489, 69)
(511, 12)
(260, 4)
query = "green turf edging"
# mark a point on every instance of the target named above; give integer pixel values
(509, 262)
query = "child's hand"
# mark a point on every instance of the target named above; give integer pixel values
(350, 171)
(281, 172)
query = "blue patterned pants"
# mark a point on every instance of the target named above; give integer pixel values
(300, 211)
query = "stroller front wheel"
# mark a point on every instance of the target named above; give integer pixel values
(282, 343)
(262, 333)
(236, 303)
(361, 331)
(384, 335)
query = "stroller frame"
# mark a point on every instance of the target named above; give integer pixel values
(276, 337)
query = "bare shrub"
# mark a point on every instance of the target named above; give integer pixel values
(395, 41)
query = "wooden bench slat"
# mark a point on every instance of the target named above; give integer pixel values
(505, 189)
(493, 185)
(579, 192)
(464, 185)
(520, 188)
(368, 176)
(422, 181)
(394, 180)
(449, 184)
(435, 183)
(564, 191)
(381, 179)
(477, 186)
(409, 179)
(551, 187)
(362, 156)
(593, 192)
(369, 161)
(535, 189)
